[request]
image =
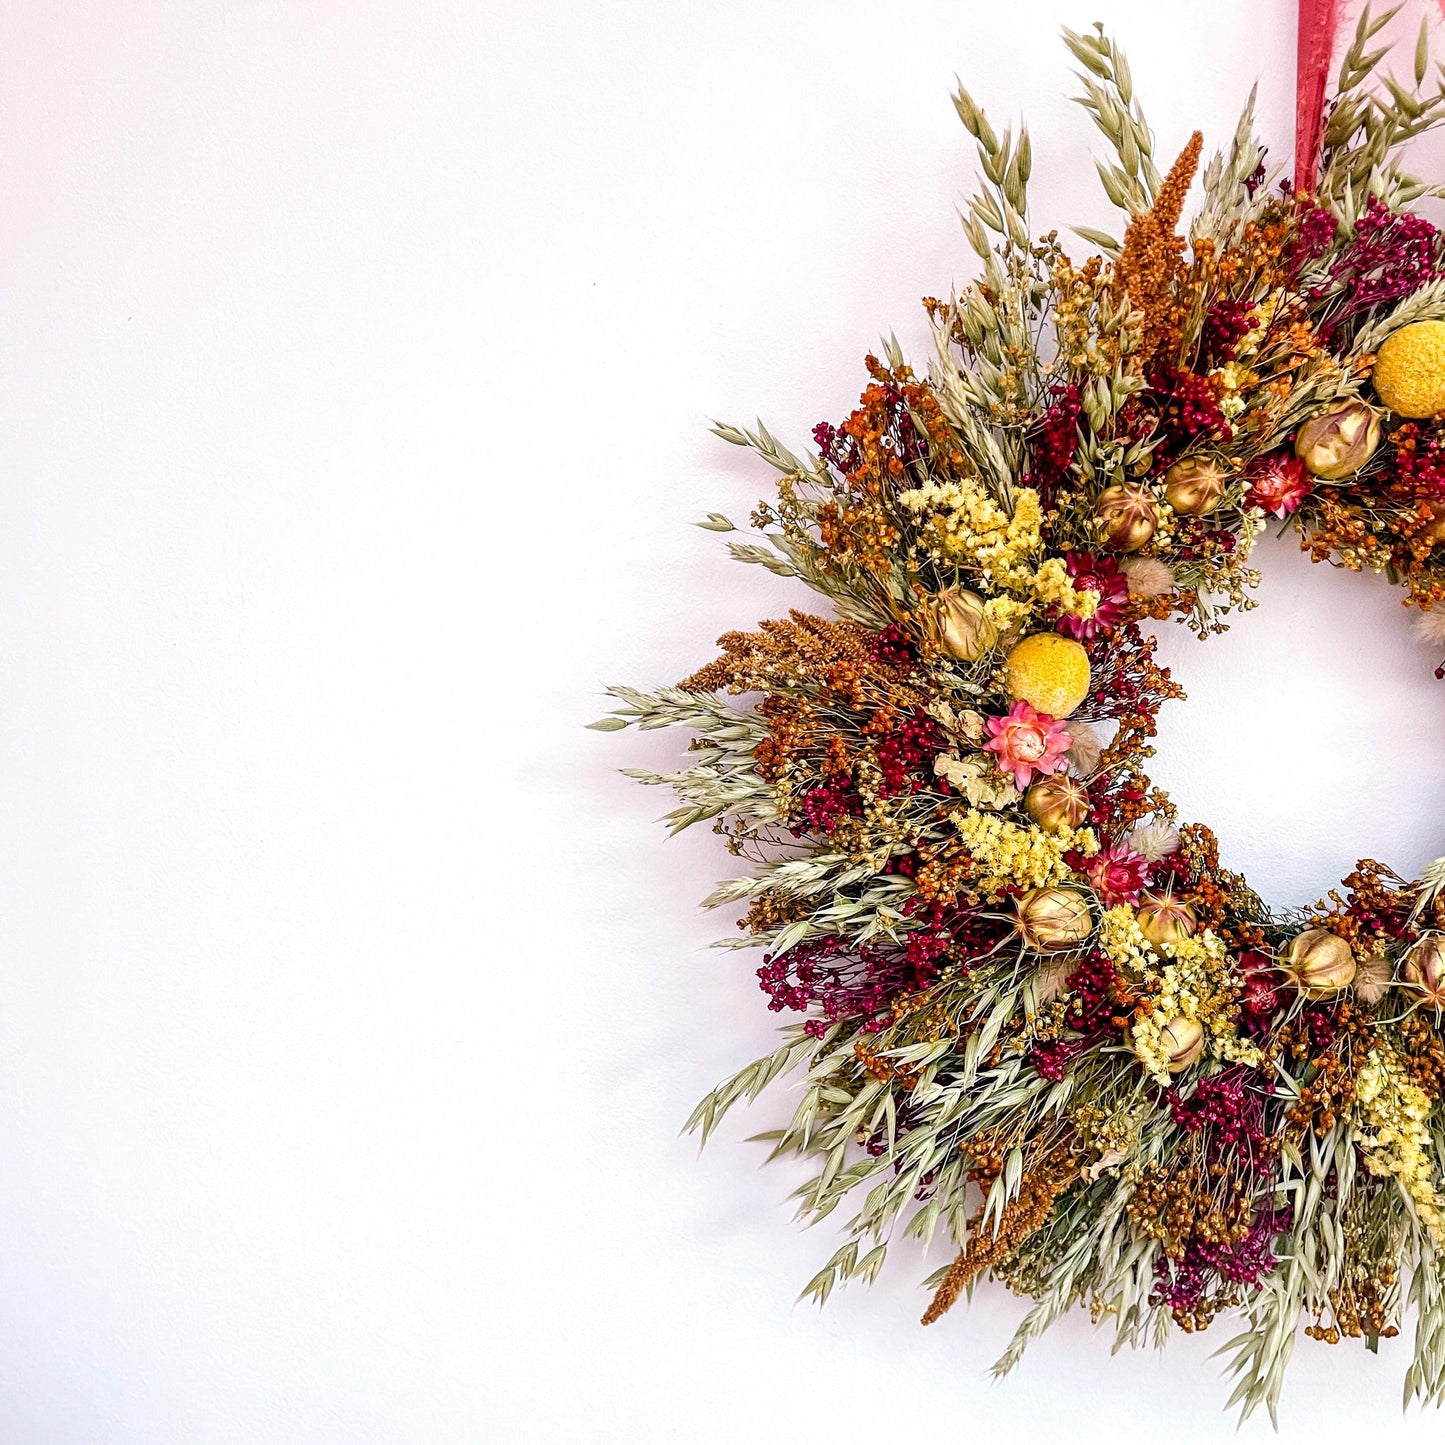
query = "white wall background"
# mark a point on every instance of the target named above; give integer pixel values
(356, 367)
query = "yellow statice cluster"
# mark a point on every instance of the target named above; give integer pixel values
(1052, 583)
(1007, 614)
(1194, 984)
(1395, 1108)
(1239, 383)
(1021, 857)
(964, 525)
(1123, 940)
(1164, 532)
(1264, 314)
(1204, 962)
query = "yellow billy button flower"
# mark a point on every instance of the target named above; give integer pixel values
(1049, 672)
(1320, 963)
(1050, 920)
(1410, 369)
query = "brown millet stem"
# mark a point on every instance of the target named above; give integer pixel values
(1019, 1218)
(1149, 259)
(959, 1273)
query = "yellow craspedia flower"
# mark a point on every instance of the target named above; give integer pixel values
(1410, 369)
(1049, 672)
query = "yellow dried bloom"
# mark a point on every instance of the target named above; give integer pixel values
(1195, 984)
(1123, 940)
(1015, 856)
(1410, 369)
(1049, 672)
(1395, 1108)
(1237, 380)
(1005, 612)
(1052, 584)
(963, 524)
(1248, 344)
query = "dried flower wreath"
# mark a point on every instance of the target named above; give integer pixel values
(1041, 1021)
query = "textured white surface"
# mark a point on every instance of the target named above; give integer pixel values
(354, 391)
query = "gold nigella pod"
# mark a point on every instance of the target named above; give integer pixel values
(1320, 963)
(1053, 919)
(1183, 1039)
(1194, 485)
(1127, 518)
(1338, 442)
(965, 630)
(1164, 919)
(1057, 801)
(1424, 970)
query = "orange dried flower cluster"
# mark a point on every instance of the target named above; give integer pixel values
(1327, 1089)
(1174, 1206)
(801, 653)
(1150, 265)
(1360, 1309)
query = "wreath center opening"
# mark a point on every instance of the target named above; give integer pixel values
(1310, 736)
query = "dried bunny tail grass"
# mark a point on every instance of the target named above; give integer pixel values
(1432, 885)
(1430, 627)
(1153, 840)
(1149, 577)
(1085, 750)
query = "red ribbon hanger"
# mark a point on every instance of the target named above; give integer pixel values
(1319, 28)
(1319, 24)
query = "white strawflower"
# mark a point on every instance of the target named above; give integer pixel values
(1154, 839)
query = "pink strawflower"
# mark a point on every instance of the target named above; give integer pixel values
(1279, 484)
(1101, 575)
(1026, 742)
(1117, 873)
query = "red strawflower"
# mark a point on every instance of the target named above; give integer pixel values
(1278, 484)
(1101, 575)
(1261, 984)
(1117, 874)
